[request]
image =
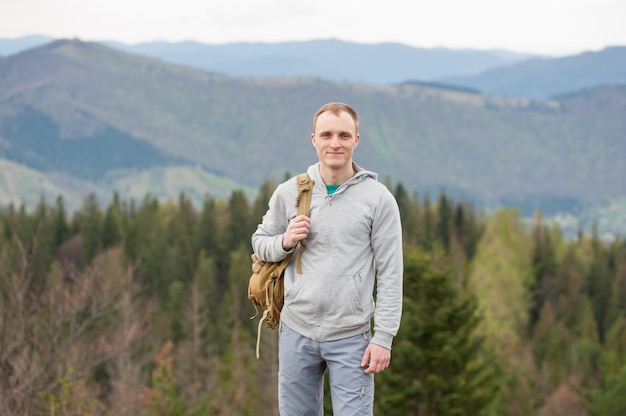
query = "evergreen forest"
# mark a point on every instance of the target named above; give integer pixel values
(140, 308)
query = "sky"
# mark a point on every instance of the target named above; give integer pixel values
(546, 27)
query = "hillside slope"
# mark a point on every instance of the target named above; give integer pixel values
(138, 114)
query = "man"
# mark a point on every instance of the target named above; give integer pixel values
(353, 243)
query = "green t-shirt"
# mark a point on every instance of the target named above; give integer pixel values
(332, 188)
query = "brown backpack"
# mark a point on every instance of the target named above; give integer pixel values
(266, 288)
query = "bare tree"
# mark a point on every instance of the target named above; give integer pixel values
(73, 323)
(196, 354)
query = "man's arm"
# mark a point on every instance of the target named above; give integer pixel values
(387, 246)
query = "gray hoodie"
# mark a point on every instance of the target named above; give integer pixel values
(354, 243)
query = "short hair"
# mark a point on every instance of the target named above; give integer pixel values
(336, 108)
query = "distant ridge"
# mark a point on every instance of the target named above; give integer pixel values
(493, 72)
(544, 78)
(330, 59)
(13, 46)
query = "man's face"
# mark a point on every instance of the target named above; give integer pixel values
(335, 139)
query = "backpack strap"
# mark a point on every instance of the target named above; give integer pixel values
(303, 202)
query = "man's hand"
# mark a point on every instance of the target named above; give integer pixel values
(377, 357)
(297, 230)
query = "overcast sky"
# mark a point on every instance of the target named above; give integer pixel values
(549, 27)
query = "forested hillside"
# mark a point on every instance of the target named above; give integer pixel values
(142, 309)
(83, 117)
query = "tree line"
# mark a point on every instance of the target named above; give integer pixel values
(140, 308)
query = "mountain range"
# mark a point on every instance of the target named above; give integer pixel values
(329, 59)
(79, 117)
(493, 72)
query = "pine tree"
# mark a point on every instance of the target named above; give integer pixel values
(614, 356)
(617, 305)
(583, 348)
(440, 365)
(113, 223)
(175, 304)
(599, 282)
(42, 247)
(206, 234)
(181, 248)
(444, 221)
(611, 399)
(237, 306)
(405, 205)
(261, 201)
(3, 230)
(240, 225)
(550, 340)
(61, 226)
(142, 220)
(206, 283)
(146, 246)
(427, 229)
(468, 227)
(544, 265)
(90, 228)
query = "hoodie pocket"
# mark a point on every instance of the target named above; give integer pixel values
(333, 299)
(342, 303)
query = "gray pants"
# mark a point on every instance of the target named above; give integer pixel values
(302, 363)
